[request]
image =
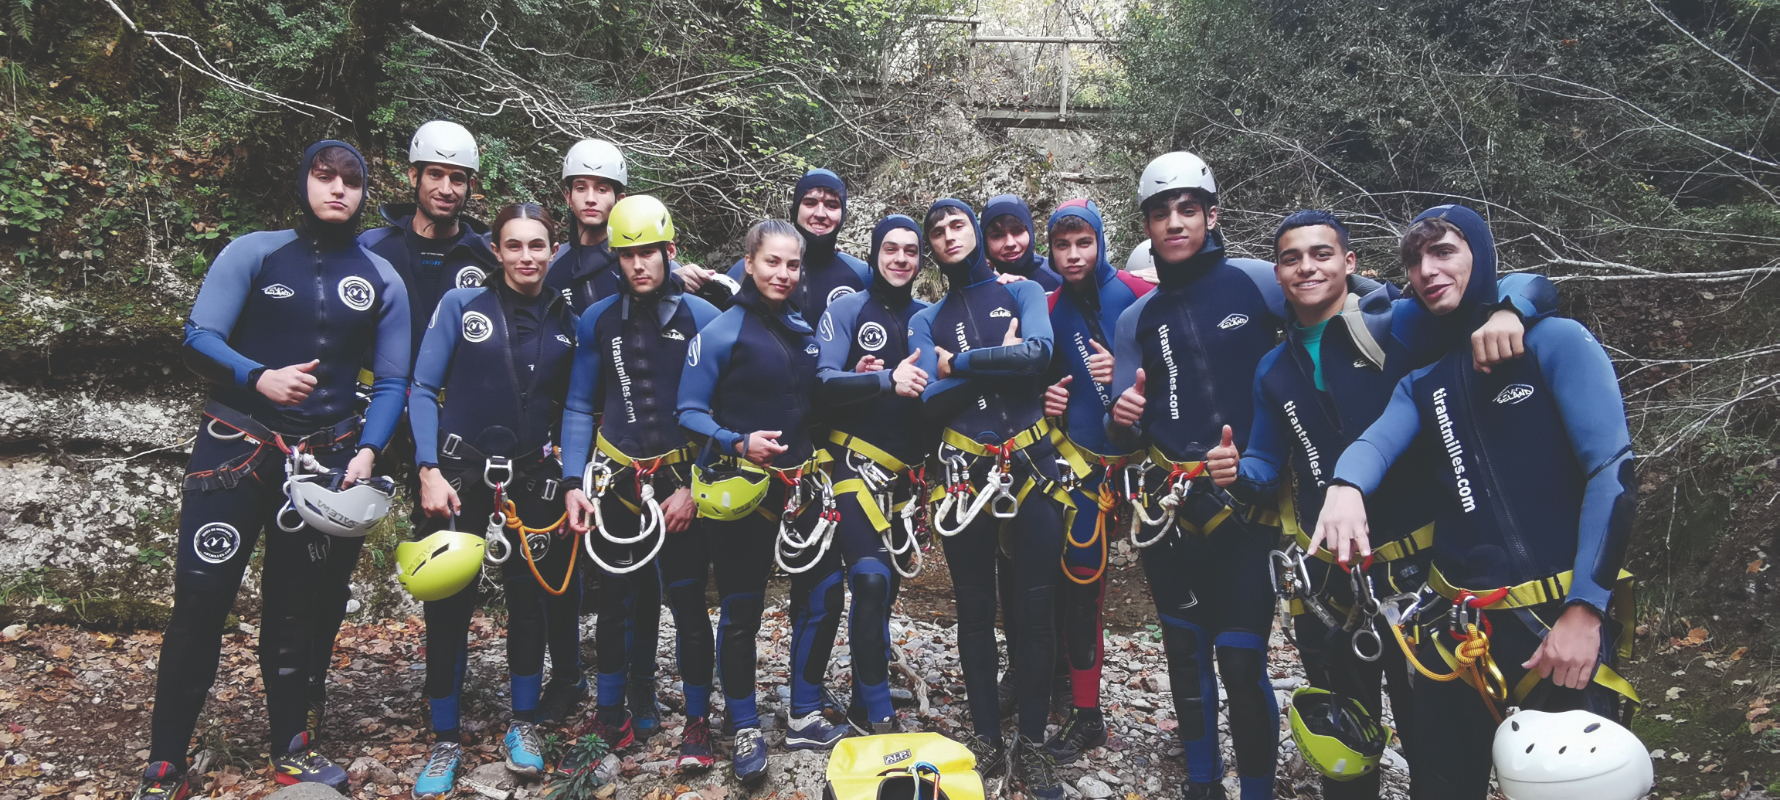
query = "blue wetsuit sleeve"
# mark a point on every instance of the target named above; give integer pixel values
(393, 359)
(1586, 391)
(1364, 463)
(1534, 297)
(431, 369)
(1258, 473)
(578, 408)
(706, 359)
(701, 309)
(738, 271)
(1261, 272)
(943, 398)
(839, 385)
(214, 313)
(1030, 357)
(1127, 359)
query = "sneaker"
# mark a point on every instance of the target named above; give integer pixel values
(695, 745)
(1203, 791)
(613, 725)
(1007, 695)
(305, 764)
(525, 749)
(645, 712)
(440, 772)
(559, 700)
(862, 724)
(749, 757)
(318, 707)
(1037, 771)
(1084, 730)
(991, 757)
(163, 781)
(812, 731)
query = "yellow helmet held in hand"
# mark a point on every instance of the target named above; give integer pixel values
(1335, 734)
(638, 220)
(724, 491)
(440, 565)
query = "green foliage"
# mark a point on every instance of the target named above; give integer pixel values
(33, 193)
(19, 14)
(586, 752)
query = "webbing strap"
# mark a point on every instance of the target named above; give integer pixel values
(1082, 460)
(821, 459)
(1040, 431)
(621, 459)
(1553, 589)
(1418, 540)
(867, 503)
(871, 451)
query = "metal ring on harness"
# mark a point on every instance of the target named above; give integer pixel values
(1004, 505)
(1367, 607)
(497, 465)
(497, 535)
(289, 509)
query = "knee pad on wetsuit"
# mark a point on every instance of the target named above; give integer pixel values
(738, 623)
(870, 581)
(1190, 674)
(686, 600)
(1254, 711)
(819, 616)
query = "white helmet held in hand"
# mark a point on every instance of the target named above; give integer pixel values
(596, 158)
(1572, 754)
(319, 503)
(1177, 170)
(441, 142)
(1141, 258)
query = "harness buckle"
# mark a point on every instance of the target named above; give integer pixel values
(1067, 477)
(549, 491)
(449, 447)
(497, 465)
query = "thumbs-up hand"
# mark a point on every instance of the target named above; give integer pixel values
(288, 386)
(1013, 333)
(1057, 397)
(1129, 407)
(1221, 461)
(909, 379)
(1100, 364)
(944, 358)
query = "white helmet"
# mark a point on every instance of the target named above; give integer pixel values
(441, 142)
(1543, 756)
(1141, 258)
(597, 158)
(319, 505)
(1177, 170)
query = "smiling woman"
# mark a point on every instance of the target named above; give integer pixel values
(521, 239)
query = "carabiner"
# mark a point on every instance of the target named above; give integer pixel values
(1004, 505)
(497, 465)
(496, 535)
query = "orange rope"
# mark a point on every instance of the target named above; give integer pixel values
(1107, 501)
(517, 524)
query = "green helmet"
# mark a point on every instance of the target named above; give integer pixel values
(1335, 734)
(724, 491)
(440, 565)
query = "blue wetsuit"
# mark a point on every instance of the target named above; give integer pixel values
(501, 361)
(875, 425)
(1031, 265)
(1080, 317)
(271, 300)
(1534, 463)
(627, 372)
(1198, 338)
(584, 274)
(753, 368)
(430, 267)
(828, 273)
(994, 396)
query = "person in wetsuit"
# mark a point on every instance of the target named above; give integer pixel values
(631, 352)
(1533, 518)
(987, 346)
(278, 330)
(746, 396)
(485, 407)
(1011, 242)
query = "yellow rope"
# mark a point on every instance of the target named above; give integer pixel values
(1473, 656)
(1107, 501)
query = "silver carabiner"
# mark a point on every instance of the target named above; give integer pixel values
(496, 535)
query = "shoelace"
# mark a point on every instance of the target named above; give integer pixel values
(746, 742)
(528, 736)
(1038, 765)
(440, 763)
(698, 734)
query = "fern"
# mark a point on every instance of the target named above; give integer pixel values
(21, 18)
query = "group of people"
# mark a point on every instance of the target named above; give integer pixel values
(1436, 485)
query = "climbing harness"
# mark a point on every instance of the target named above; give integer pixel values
(497, 473)
(879, 484)
(809, 476)
(599, 477)
(1180, 484)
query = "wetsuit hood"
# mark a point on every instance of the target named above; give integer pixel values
(1211, 253)
(401, 215)
(975, 267)
(787, 315)
(312, 224)
(1085, 209)
(819, 249)
(880, 286)
(1480, 294)
(1009, 205)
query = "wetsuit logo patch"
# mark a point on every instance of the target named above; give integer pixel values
(827, 327)
(811, 349)
(1001, 312)
(564, 340)
(872, 336)
(1514, 393)
(470, 278)
(216, 542)
(356, 293)
(838, 293)
(477, 327)
(277, 291)
(1359, 363)
(538, 544)
(1233, 322)
(692, 351)
(674, 335)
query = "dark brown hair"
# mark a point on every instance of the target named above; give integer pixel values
(339, 161)
(1422, 234)
(1070, 225)
(938, 215)
(1005, 224)
(770, 227)
(513, 211)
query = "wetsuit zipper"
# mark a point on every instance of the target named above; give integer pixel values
(1504, 516)
(1202, 371)
(522, 390)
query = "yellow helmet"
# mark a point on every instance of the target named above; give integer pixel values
(440, 565)
(638, 220)
(723, 491)
(1335, 734)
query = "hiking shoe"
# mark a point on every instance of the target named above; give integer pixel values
(559, 700)
(1083, 731)
(1007, 695)
(440, 772)
(1037, 771)
(305, 764)
(163, 781)
(1203, 791)
(318, 708)
(612, 725)
(862, 723)
(749, 757)
(991, 757)
(695, 745)
(813, 732)
(525, 749)
(645, 711)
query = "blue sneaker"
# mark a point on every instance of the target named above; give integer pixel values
(525, 750)
(749, 757)
(304, 764)
(440, 772)
(812, 732)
